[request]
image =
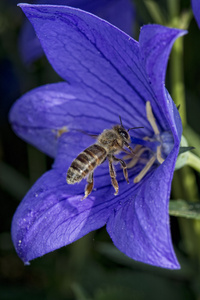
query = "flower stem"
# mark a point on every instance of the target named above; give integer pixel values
(173, 8)
(193, 161)
(193, 139)
(182, 21)
(176, 73)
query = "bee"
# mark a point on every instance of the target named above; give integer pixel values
(109, 143)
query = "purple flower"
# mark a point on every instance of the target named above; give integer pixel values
(196, 10)
(118, 12)
(108, 74)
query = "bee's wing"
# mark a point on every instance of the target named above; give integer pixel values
(94, 136)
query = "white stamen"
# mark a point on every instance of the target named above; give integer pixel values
(158, 155)
(152, 121)
(134, 161)
(145, 170)
(151, 118)
(130, 155)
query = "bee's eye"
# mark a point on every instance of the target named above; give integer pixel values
(123, 133)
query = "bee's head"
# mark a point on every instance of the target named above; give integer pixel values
(124, 134)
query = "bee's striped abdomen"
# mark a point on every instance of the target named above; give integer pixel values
(85, 162)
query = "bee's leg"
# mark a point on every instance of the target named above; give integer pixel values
(129, 147)
(113, 176)
(89, 186)
(124, 167)
(115, 143)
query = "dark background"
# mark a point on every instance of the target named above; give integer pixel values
(91, 268)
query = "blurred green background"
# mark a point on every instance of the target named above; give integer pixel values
(92, 268)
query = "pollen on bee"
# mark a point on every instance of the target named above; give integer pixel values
(60, 131)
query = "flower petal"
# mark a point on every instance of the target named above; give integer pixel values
(29, 45)
(114, 70)
(156, 42)
(196, 10)
(90, 46)
(86, 50)
(43, 114)
(98, 60)
(139, 221)
(140, 227)
(52, 215)
(117, 12)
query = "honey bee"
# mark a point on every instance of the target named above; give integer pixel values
(109, 143)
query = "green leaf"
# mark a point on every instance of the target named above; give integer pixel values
(185, 149)
(182, 208)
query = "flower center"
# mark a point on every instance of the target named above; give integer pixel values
(158, 147)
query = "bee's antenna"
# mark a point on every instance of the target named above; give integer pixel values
(121, 121)
(129, 128)
(134, 128)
